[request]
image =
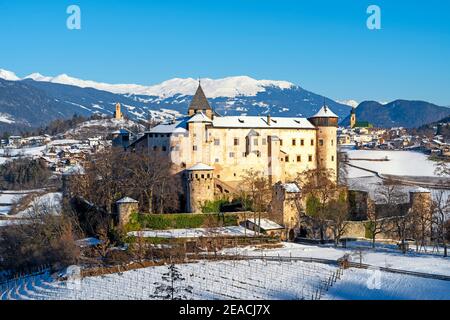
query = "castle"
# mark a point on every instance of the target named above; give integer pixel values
(213, 152)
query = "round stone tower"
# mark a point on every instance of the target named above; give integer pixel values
(326, 123)
(199, 186)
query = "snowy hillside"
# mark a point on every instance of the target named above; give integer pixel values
(229, 87)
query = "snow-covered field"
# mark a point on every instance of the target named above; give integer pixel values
(402, 163)
(254, 280)
(360, 284)
(381, 257)
(258, 280)
(8, 198)
(232, 231)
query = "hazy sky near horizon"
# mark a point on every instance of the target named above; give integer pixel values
(322, 45)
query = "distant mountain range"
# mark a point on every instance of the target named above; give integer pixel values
(35, 100)
(399, 113)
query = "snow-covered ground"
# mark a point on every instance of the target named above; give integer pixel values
(35, 151)
(381, 257)
(259, 280)
(402, 163)
(232, 231)
(360, 284)
(245, 279)
(9, 198)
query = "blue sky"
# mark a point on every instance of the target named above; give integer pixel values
(324, 46)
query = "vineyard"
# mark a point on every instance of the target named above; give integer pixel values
(258, 279)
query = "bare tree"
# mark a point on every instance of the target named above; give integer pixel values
(338, 217)
(319, 189)
(41, 238)
(440, 219)
(257, 190)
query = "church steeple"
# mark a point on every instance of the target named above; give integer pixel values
(353, 118)
(200, 103)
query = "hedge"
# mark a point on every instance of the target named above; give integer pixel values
(177, 221)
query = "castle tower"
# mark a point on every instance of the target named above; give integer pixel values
(118, 113)
(326, 123)
(353, 118)
(199, 104)
(199, 186)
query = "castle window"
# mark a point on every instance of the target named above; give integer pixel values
(312, 142)
(294, 142)
(255, 142)
(332, 158)
(332, 142)
(281, 142)
(218, 176)
(203, 176)
(216, 142)
(194, 148)
(155, 148)
(321, 142)
(236, 141)
(264, 141)
(287, 158)
(217, 160)
(299, 158)
(164, 148)
(196, 176)
(302, 142)
(310, 158)
(208, 176)
(231, 154)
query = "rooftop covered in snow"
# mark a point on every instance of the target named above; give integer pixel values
(200, 167)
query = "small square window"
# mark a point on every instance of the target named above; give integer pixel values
(217, 142)
(231, 154)
(310, 158)
(236, 141)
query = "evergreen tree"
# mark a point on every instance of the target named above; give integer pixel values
(171, 287)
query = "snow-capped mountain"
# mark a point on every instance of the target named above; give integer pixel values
(351, 103)
(8, 75)
(36, 99)
(228, 87)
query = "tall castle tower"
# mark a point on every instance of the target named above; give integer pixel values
(326, 123)
(353, 118)
(118, 113)
(200, 104)
(199, 186)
